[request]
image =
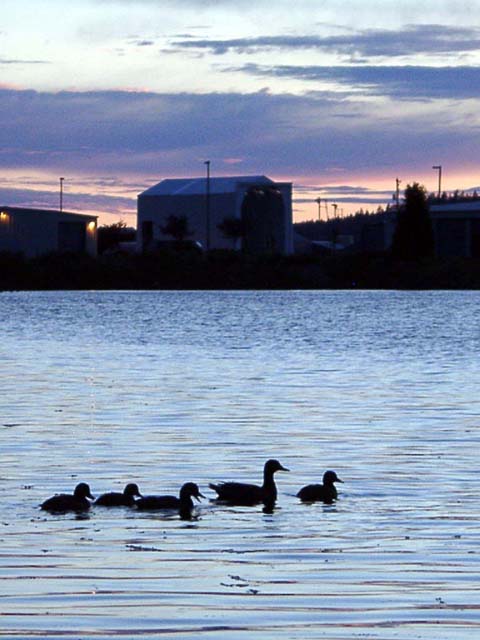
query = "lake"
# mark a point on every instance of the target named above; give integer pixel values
(161, 388)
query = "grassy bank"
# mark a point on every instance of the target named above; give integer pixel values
(229, 270)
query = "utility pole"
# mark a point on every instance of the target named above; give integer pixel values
(207, 206)
(438, 167)
(397, 193)
(61, 194)
(319, 202)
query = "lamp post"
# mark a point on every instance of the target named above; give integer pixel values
(438, 167)
(207, 205)
(61, 194)
(319, 202)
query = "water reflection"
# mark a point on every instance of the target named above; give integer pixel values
(164, 387)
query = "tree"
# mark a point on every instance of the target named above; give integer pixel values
(109, 235)
(233, 228)
(177, 227)
(413, 237)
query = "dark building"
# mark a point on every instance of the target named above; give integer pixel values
(456, 229)
(35, 232)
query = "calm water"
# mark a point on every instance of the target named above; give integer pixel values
(165, 387)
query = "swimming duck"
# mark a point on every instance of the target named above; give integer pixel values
(68, 502)
(183, 503)
(239, 493)
(116, 499)
(326, 492)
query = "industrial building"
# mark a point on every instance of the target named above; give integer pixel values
(35, 232)
(456, 229)
(263, 207)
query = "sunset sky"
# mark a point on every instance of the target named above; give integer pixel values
(340, 97)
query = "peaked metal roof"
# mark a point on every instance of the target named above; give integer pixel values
(198, 186)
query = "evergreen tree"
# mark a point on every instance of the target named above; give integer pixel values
(413, 237)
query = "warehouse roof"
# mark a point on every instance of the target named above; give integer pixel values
(198, 186)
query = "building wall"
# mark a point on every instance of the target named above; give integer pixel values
(157, 209)
(35, 232)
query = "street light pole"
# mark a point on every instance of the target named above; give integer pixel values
(61, 194)
(319, 202)
(438, 167)
(207, 206)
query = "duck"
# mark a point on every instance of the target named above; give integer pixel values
(116, 499)
(326, 492)
(63, 502)
(242, 494)
(183, 503)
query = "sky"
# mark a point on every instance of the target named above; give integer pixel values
(340, 97)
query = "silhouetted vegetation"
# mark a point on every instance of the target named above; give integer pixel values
(171, 268)
(413, 237)
(349, 225)
(109, 236)
(233, 228)
(177, 228)
(453, 197)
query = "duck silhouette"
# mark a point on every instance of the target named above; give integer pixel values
(326, 492)
(63, 502)
(242, 494)
(116, 499)
(184, 503)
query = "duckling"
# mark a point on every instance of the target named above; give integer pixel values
(67, 502)
(116, 499)
(183, 503)
(326, 492)
(239, 493)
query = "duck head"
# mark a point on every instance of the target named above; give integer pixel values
(330, 477)
(82, 490)
(132, 491)
(191, 490)
(272, 466)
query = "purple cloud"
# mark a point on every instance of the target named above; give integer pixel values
(410, 40)
(149, 136)
(401, 82)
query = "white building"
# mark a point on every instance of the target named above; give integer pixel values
(35, 232)
(263, 206)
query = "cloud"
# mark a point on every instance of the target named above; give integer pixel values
(77, 202)
(19, 61)
(402, 82)
(411, 40)
(151, 135)
(341, 194)
(144, 43)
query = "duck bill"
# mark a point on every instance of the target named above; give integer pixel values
(89, 495)
(284, 469)
(199, 495)
(338, 480)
